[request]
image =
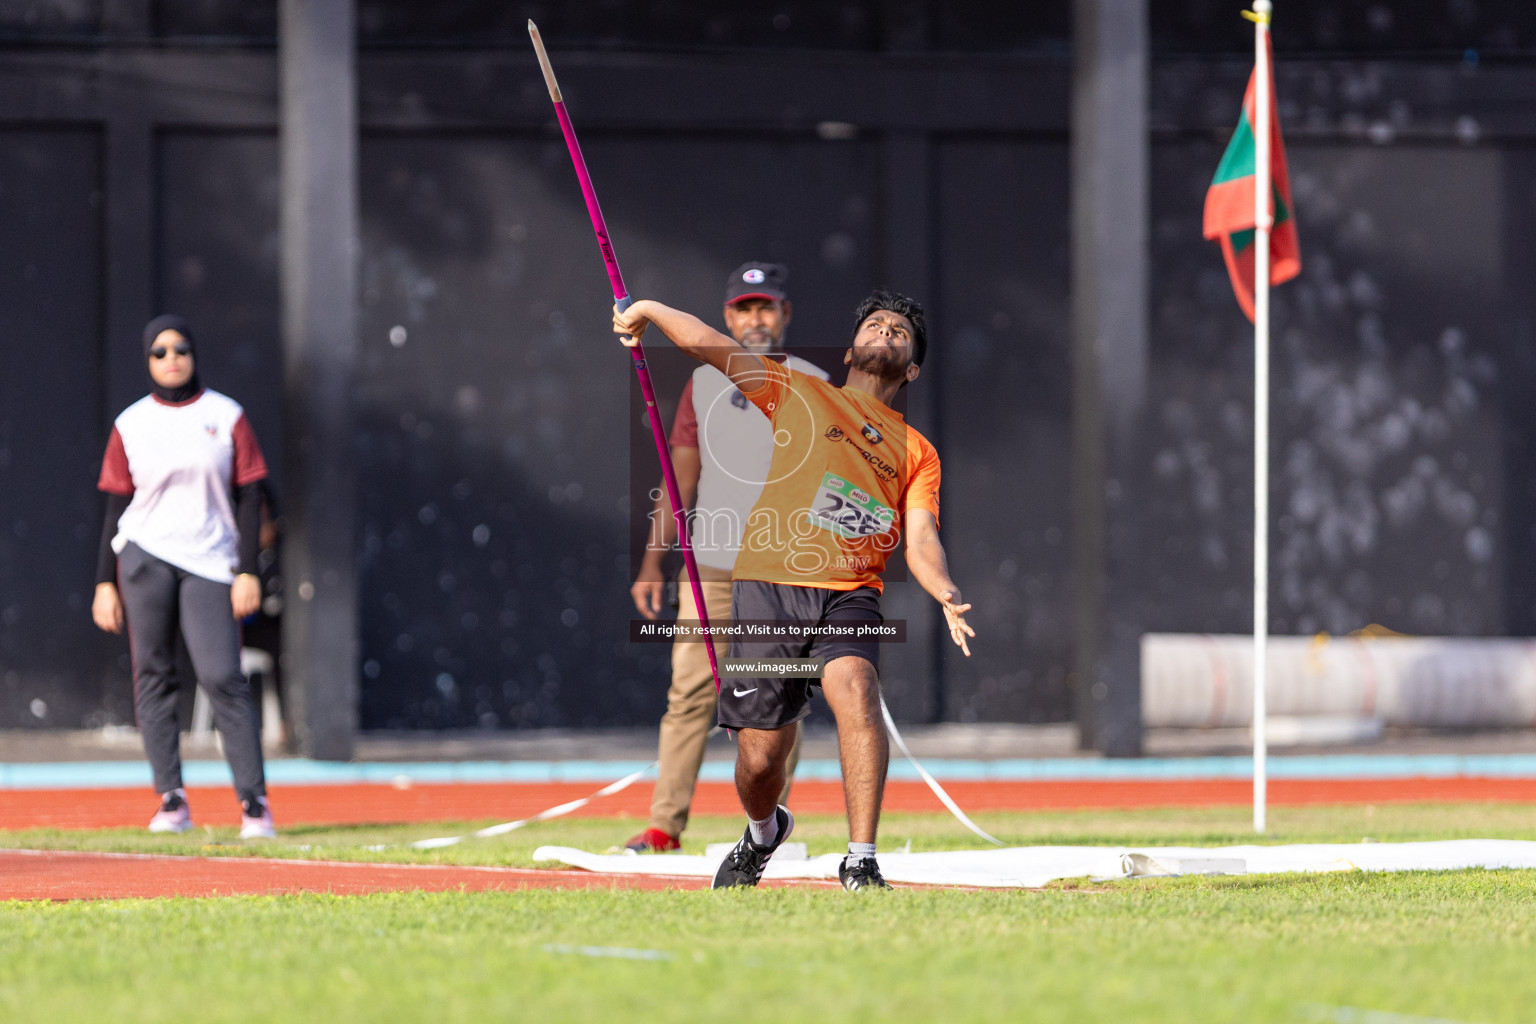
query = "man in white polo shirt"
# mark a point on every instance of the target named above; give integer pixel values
(721, 448)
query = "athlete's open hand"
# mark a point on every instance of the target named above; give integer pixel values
(629, 324)
(954, 614)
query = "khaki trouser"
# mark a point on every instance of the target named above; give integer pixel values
(690, 717)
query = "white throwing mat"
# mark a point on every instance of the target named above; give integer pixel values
(1034, 866)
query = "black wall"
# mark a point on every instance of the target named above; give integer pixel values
(54, 666)
(495, 452)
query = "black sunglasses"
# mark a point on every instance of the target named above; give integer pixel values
(181, 349)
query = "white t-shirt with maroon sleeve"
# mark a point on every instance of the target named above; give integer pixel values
(182, 463)
(735, 442)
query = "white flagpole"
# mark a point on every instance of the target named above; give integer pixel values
(1262, 224)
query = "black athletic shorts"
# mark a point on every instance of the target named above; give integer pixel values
(774, 702)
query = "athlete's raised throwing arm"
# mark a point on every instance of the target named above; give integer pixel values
(693, 336)
(925, 557)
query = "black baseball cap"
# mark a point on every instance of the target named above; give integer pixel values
(756, 281)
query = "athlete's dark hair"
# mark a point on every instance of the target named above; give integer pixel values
(880, 298)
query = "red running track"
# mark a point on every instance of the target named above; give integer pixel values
(38, 875)
(53, 875)
(386, 804)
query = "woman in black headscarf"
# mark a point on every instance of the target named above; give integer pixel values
(182, 476)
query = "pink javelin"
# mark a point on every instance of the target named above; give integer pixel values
(637, 352)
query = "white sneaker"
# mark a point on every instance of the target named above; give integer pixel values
(256, 821)
(174, 816)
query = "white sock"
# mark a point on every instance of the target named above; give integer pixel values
(766, 831)
(857, 852)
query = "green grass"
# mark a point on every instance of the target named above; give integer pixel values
(1455, 945)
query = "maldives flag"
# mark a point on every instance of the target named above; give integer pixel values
(1229, 205)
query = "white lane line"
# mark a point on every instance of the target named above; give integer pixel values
(613, 952)
(1362, 1015)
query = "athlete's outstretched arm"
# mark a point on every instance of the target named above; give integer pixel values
(694, 337)
(925, 558)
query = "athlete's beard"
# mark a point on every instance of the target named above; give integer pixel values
(879, 361)
(758, 339)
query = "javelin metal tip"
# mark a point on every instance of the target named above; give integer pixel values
(544, 66)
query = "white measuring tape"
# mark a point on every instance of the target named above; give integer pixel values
(553, 812)
(631, 779)
(933, 784)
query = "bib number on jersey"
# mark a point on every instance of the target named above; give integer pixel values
(848, 511)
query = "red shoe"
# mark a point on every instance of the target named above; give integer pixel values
(653, 840)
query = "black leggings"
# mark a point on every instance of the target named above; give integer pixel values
(159, 598)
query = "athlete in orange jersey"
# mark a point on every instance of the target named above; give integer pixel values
(848, 479)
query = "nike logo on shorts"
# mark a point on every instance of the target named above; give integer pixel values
(742, 693)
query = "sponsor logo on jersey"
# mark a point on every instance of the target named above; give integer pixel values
(871, 434)
(835, 433)
(859, 496)
(884, 468)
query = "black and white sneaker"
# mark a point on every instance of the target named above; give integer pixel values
(865, 874)
(743, 866)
